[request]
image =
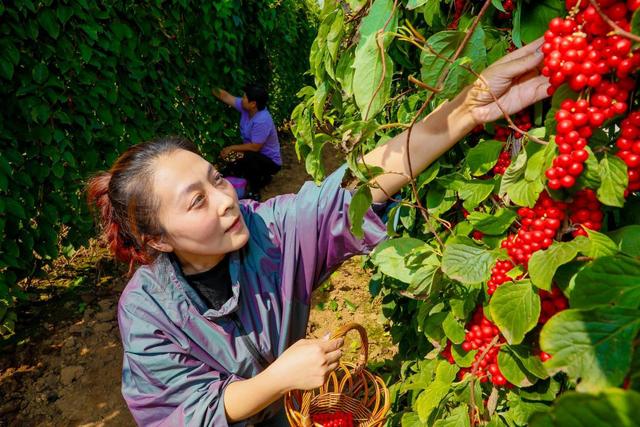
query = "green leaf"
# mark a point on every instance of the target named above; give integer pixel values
(334, 37)
(6, 68)
(459, 417)
(414, 4)
(356, 5)
(528, 360)
(440, 200)
(14, 208)
(592, 346)
(445, 44)
(610, 407)
(614, 181)
(49, 22)
(11, 52)
(494, 224)
(91, 31)
(608, 281)
(428, 175)
(628, 239)
(483, 157)
(540, 158)
(453, 329)
(344, 72)
(40, 73)
(591, 176)
(319, 99)
(515, 185)
(537, 16)
(635, 23)
(360, 204)
(430, 11)
(601, 245)
(543, 264)
(379, 14)
(498, 5)
(473, 192)
(467, 262)
(515, 308)
(435, 392)
(463, 358)
(430, 398)
(513, 371)
(426, 277)
(64, 13)
(390, 256)
(520, 410)
(410, 419)
(122, 30)
(371, 78)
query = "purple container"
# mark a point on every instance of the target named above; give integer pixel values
(240, 184)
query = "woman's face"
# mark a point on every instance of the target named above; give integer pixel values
(199, 211)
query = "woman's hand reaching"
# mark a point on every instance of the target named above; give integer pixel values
(514, 80)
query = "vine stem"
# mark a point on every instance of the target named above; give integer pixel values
(616, 28)
(472, 406)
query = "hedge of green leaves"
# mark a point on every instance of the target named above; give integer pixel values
(81, 81)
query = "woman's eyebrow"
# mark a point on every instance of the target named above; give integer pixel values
(195, 185)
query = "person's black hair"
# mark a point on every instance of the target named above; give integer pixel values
(258, 94)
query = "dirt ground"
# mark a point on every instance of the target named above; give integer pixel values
(65, 367)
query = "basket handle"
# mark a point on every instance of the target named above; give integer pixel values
(364, 348)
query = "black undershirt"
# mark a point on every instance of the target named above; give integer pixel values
(213, 286)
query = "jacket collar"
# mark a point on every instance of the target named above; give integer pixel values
(168, 273)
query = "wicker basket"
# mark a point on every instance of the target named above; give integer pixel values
(350, 388)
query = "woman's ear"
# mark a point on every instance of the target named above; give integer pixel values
(159, 244)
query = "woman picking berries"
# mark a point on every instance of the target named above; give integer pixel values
(212, 320)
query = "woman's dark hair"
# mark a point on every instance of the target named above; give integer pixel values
(125, 200)
(258, 94)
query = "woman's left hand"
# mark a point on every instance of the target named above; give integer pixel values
(514, 81)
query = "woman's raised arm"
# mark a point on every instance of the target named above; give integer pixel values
(514, 80)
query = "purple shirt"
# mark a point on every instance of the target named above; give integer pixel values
(180, 356)
(259, 129)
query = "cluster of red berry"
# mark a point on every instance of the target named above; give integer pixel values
(618, 11)
(499, 275)
(551, 303)
(585, 210)
(458, 7)
(480, 335)
(333, 419)
(509, 7)
(504, 160)
(582, 60)
(582, 51)
(539, 227)
(575, 123)
(521, 119)
(629, 148)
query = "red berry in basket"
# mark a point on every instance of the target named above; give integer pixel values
(333, 419)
